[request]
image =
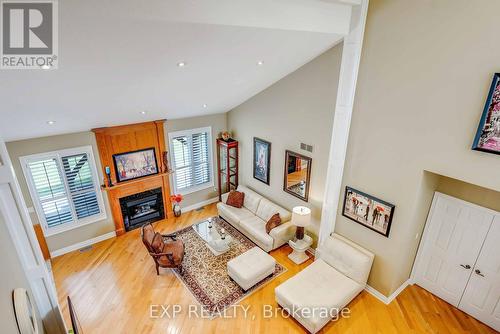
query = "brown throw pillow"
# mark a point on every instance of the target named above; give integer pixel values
(157, 243)
(235, 199)
(273, 222)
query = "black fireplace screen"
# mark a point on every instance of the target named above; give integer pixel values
(142, 208)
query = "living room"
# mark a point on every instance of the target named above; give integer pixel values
(298, 166)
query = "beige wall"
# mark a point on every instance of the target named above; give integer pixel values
(425, 71)
(218, 124)
(46, 144)
(12, 277)
(484, 197)
(298, 108)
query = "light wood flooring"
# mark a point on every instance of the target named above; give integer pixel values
(113, 285)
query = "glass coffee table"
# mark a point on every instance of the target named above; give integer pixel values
(213, 234)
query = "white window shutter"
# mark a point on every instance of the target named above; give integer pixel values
(191, 155)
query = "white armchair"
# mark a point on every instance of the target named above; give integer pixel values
(325, 287)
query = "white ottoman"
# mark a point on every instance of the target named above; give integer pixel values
(251, 267)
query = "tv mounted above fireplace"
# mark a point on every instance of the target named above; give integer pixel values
(135, 164)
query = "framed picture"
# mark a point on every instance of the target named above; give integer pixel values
(261, 160)
(135, 164)
(488, 132)
(368, 211)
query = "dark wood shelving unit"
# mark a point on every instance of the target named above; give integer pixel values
(227, 165)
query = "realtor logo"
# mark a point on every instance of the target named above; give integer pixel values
(28, 34)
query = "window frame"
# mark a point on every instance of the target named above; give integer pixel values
(189, 133)
(58, 155)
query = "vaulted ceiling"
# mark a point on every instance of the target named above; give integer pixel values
(120, 58)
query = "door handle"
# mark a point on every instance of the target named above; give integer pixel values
(478, 272)
(465, 266)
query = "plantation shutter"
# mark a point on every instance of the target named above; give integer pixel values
(191, 159)
(182, 162)
(63, 188)
(81, 185)
(49, 187)
(201, 172)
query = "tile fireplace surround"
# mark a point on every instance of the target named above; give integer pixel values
(126, 138)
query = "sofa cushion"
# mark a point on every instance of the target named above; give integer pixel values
(318, 286)
(273, 222)
(252, 199)
(255, 228)
(347, 257)
(235, 199)
(232, 213)
(267, 209)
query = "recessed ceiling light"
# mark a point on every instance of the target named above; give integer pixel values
(260, 63)
(51, 122)
(143, 112)
(46, 67)
(204, 105)
(181, 64)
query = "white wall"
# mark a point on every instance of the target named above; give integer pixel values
(298, 108)
(425, 71)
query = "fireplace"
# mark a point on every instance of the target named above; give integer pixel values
(142, 208)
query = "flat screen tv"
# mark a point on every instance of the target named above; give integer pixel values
(135, 164)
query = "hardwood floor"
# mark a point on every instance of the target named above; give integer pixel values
(113, 285)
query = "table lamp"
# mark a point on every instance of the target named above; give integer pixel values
(301, 217)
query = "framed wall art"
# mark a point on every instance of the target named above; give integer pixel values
(368, 211)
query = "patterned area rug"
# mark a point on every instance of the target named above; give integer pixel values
(205, 274)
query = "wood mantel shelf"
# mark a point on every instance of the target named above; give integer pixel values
(127, 138)
(127, 183)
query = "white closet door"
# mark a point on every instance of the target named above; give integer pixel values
(482, 296)
(453, 237)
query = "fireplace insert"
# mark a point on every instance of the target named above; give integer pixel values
(142, 208)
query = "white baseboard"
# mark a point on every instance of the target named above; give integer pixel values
(386, 300)
(86, 243)
(200, 204)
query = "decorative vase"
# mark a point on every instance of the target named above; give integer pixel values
(177, 210)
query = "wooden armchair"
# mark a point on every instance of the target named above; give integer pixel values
(165, 249)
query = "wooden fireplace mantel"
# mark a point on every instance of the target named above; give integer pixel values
(126, 138)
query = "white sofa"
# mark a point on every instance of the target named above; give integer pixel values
(251, 219)
(339, 273)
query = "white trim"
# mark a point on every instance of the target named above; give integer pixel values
(189, 133)
(49, 231)
(200, 204)
(82, 244)
(18, 222)
(351, 58)
(387, 300)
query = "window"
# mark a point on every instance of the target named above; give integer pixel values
(64, 188)
(191, 155)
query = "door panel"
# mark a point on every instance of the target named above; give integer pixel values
(454, 235)
(482, 296)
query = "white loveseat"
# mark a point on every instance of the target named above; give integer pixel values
(338, 274)
(251, 219)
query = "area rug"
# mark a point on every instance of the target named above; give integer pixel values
(205, 274)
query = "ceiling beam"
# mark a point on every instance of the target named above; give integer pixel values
(298, 15)
(322, 16)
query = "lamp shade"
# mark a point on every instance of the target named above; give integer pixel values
(301, 216)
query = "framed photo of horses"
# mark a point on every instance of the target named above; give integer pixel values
(368, 211)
